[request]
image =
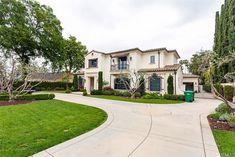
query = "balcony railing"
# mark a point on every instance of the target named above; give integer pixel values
(119, 67)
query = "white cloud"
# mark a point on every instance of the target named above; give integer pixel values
(104, 25)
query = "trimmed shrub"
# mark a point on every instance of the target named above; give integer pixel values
(68, 91)
(170, 86)
(174, 97)
(96, 92)
(100, 81)
(137, 95)
(108, 92)
(47, 85)
(37, 97)
(30, 97)
(4, 97)
(224, 117)
(228, 93)
(126, 94)
(231, 120)
(152, 96)
(207, 88)
(215, 115)
(75, 83)
(223, 108)
(117, 93)
(84, 92)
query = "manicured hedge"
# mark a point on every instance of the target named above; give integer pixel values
(174, 97)
(48, 86)
(30, 97)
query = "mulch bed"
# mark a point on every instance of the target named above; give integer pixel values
(215, 124)
(17, 102)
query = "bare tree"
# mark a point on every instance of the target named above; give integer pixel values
(10, 74)
(133, 80)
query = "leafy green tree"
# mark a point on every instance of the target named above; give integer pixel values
(73, 55)
(100, 81)
(170, 85)
(29, 29)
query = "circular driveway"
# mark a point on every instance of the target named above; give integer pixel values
(142, 130)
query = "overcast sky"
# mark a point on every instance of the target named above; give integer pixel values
(110, 25)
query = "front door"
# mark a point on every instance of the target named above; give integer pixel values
(92, 83)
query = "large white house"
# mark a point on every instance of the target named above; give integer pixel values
(156, 65)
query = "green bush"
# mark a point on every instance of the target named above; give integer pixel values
(231, 120)
(152, 96)
(46, 85)
(4, 97)
(137, 95)
(125, 94)
(100, 81)
(174, 97)
(117, 93)
(223, 108)
(68, 91)
(108, 92)
(37, 97)
(228, 93)
(215, 115)
(96, 92)
(224, 117)
(84, 92)
(207, 88)
(170, 86)
(30, 97)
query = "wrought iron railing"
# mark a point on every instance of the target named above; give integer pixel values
(119, 67)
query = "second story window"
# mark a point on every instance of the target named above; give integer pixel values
(152, 59)
(93, 63)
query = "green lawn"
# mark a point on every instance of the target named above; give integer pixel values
(30, 128)
(150, 101)
(226, 142)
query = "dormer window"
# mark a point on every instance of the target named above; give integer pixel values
(152, 59)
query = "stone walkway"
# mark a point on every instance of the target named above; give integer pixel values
(142, 130)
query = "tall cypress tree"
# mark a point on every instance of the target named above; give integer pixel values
(217, 32)
(231, 31)
(224, 39)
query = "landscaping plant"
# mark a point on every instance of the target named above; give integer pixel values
(170, 86)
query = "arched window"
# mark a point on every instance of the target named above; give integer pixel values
(155, 83)
(121, 83)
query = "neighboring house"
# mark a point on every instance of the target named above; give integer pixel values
(191, 82)
(50, 77)
(156, 64)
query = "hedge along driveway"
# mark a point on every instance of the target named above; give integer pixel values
(27, 129)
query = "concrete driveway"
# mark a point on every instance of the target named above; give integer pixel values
(142, 130)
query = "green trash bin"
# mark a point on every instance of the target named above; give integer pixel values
(189, 96)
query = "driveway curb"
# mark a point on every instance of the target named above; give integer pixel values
(210, 147)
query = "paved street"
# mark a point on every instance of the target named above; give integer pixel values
(142, 130)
